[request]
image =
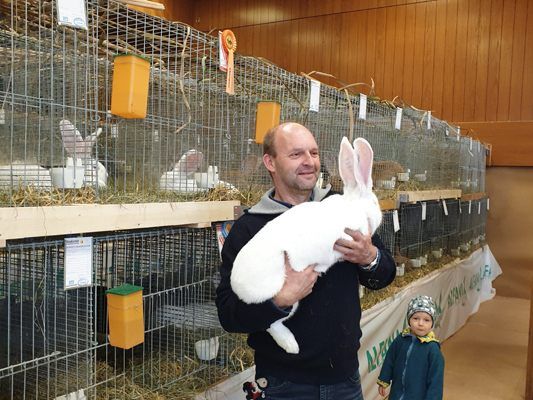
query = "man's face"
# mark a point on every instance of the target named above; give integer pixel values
(297, 164)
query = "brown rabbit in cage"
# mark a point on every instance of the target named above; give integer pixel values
(386, 170)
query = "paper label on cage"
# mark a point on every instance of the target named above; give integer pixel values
(78, 262)
(398, 123)
(2, 116)
(470, 143)
(362, 106)
(429, 120)
(72, 13)
(469, 206)
(156, 135)
(395, 221)
(447, 132)
(458, 133)
(314, 98)
(114, 131)
(222, 56)
(488, 204)
(423, 211)
(479, 207)
(444, 207)
(478, 146)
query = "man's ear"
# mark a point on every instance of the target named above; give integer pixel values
(269, 162)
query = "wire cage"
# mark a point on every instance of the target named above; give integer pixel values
(386, 230)
(451, 226)
(466, 232)
(410, 234)
(56, 89)
(46, 347)
(54, 342)
(434, 241)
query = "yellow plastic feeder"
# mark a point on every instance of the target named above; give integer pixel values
(125, 312)
(129, 95)
(267, 116)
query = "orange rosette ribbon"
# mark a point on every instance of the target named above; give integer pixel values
(229, 42)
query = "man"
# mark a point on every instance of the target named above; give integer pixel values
(327, 324)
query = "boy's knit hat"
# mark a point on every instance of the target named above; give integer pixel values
(421, 303)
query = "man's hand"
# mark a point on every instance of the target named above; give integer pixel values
(382, 391)
(359, 250)
(297, 285)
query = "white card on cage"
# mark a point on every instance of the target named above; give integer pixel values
(314, 98)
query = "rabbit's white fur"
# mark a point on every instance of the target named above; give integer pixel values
(181, 177)
(81, 149)
(306, 234)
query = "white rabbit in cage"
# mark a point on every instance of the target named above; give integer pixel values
(181, 177)
(262, 259)
(79, 151)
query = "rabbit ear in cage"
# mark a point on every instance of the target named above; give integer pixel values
(72, 139)
(189, 163)
(91, 139)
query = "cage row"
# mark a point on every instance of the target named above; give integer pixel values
(57, 129)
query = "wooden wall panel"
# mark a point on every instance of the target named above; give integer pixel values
(466, 60)
(175, 10)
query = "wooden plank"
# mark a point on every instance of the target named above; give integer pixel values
(471, 60)
(23, 222)
(527, 84)
(512, 141)
(495, 44)
(408, 59)
(388, 204)
(425, 195)
(505, 61)
(449, 65)
(473, 196)
(390, 38)
(458, 99)
(428, 57)
(399, 52)
(480, 95)
(517, 62)
(440, 59)
(418, 56)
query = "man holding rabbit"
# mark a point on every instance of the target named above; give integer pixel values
(323, 364)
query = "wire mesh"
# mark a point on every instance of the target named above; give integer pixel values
(54, 342)
(57, 80)
(45, 331)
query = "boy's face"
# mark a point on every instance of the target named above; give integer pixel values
(420, 323)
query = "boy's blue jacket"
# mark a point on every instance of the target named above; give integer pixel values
(415, 366)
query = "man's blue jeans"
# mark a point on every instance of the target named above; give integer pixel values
(279, 389)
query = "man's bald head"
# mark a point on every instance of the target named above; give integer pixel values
(286, 128)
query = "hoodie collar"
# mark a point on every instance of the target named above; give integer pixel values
(267, 205)
(430, 337)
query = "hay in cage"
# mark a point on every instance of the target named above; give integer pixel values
(188, 109)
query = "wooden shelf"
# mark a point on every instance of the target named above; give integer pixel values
(473, 196)
(24, 222)
(426, 195)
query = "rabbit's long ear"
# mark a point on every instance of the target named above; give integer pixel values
(347, 165)
(71, 137)
(365, 155)
(189, 162)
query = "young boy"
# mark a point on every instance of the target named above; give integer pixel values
(414, 361)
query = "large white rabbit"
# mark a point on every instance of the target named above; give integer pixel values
(306, 233)
(81, 149)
